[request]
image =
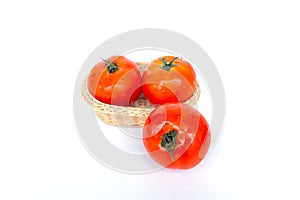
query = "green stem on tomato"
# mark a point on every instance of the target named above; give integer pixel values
(168, 65)
(169, 142)
(110, 66)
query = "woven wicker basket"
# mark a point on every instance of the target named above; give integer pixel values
(135, 115)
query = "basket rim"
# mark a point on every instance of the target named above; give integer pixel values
(96, 103)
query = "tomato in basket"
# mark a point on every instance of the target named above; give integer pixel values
(169, 79)
(176, 136)
(115, 81)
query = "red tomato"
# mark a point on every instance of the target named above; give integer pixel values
(169, 79)
(115, 81)
(176, 136)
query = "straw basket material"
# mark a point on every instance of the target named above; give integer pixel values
(135, 115)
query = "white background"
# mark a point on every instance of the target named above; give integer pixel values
(255, 46)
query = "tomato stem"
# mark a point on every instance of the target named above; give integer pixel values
(169, 142)
(168, 65)
(111, 66)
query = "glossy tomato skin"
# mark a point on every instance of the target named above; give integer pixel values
(188, 146)
(115, 81)
(173, 83)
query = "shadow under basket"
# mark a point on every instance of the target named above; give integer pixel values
(134, 115)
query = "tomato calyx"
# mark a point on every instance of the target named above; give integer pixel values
(168, 65)
(169, 142)
(111, 66)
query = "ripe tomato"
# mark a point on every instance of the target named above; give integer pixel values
(115, 81)
(176, 136)
(169, 79)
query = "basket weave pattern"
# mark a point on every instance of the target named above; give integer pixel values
(135, 115)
